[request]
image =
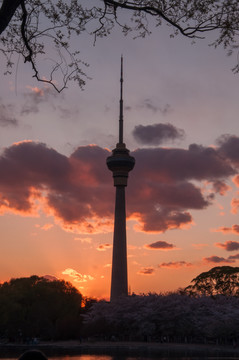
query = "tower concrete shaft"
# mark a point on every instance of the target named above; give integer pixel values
(120, 163)
(119, 277)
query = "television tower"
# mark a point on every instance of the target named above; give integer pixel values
(120, 163)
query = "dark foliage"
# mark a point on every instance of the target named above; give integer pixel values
(207, 311)
(35, 307)
(220, 280)
(170, 317)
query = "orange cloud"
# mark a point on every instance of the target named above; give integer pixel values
(234, 205)
(220, 187)
(104, 247)
(93, 225)
(77, 277)
(234, 229)
(107, 265)
(27, 204)
(36, 90)
(175, 265)
(146, 271)
(19, 143)
(47, 227)
(236, 180)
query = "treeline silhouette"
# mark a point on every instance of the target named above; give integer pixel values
(36, 307)
(206, 311)
(172, 317)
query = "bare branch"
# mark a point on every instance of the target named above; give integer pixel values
(29, 57)
(52, 24)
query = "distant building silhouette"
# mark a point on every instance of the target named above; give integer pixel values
(120, 163)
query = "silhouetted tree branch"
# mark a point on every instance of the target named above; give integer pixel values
(32, 27)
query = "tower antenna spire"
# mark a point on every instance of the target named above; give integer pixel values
(121, 104)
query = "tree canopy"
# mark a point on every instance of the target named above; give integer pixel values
(220, 280)
(38, 307)
(171, 317)
(211, 314)
(31, 27)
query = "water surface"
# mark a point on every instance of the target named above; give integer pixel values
(121, 357)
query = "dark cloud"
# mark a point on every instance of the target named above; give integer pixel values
(29, 165)
(160, 245)
(229, 147)
(157, 134)
(156, 222)
(70, 188)
(146, 271)
(150, 105)
(78, 190)
(195, 163)
(161, 191)
(216, 259)
(229, 245)
(233, 257)
(174, 264)
(6, 116)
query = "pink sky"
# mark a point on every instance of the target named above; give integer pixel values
(57, 195)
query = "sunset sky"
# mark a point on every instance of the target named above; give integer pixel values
(181, 124)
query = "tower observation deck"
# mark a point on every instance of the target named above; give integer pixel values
(120, 163)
